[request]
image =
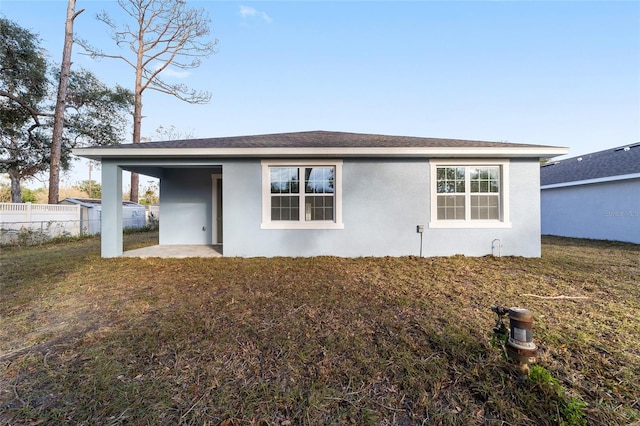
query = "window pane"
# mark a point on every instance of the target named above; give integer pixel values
(285, 207)
(450, 179)
(485, 207)
(485, 179)
(318, 208)
(284, 180)
(319, 180)
(451, 207)
(482, 200)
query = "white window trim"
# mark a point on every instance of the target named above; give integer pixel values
(503, 222)
(267, 223)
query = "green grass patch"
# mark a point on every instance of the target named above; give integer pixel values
(307, 341)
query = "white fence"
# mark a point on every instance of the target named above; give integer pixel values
(33, 223)
(37, 221)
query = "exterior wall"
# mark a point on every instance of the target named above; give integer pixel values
(134, 217)
(91, 217)
(111, 224)
(521, 239)
(186, 206)
(383, 202)
(377, 220)
(603, 211)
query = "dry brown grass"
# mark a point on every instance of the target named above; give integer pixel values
(314, 340)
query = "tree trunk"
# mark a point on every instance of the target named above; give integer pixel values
(137, 112)
(16, 191)
(58, 119)
(137, 124)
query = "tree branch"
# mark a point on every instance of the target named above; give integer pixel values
(76, 14)
(34, 113)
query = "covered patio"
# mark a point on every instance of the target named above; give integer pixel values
(191, 206)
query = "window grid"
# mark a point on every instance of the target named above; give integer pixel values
(319, 180)
(318, 208)
(285, 206)
(460, 186)
(284, 180)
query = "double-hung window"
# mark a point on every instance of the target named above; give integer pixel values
(301, 195)
(469, 194)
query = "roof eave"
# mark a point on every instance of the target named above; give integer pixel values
(448, 152)
(603, 179)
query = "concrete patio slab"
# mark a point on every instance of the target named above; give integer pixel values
(176, 251)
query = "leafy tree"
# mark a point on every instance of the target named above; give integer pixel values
(92, 188)
(162, 33)
(23, 86)
(95, 113)
(150, 195)
(5, 192)
(30, 195)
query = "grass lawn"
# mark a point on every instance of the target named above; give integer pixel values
(311, 341)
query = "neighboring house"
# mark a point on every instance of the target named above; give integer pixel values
(593, 196)
(133, 214)
(332, 193)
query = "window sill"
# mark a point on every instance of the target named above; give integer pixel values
(461, 224)
(301, 225)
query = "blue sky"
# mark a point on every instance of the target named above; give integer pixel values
(561, 73)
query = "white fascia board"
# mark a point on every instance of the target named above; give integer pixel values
(494, 152)
(592, 181)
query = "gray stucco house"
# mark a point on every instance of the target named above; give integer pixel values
(332, 193)
(594, 196)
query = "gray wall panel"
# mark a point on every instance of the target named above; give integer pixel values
(603, 211)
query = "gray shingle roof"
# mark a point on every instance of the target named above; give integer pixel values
(619, 161)
(318, 139)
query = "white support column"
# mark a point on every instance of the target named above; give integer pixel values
(111, 228)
